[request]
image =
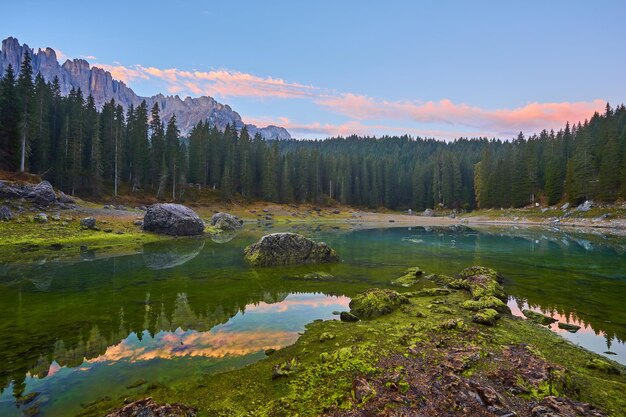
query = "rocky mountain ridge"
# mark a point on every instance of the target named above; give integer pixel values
(78, 73)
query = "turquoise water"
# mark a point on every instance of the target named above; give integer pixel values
(78, 331)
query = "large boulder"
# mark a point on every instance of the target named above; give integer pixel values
(226, 222)
(42, 194)
(288, 249)
(172, 219)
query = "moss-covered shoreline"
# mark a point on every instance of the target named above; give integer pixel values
(429, 355)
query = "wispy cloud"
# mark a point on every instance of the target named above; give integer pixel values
(439, 118)
(532, 116)
(221, 83)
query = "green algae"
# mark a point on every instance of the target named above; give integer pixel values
(485, 302)
(487, 316)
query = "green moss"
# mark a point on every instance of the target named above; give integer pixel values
(603, 366)
(432, 292)
(485, 302)
(376, 302)
(487, 316)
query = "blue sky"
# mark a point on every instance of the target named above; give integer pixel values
(430, 68)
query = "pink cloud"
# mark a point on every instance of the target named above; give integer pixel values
(122, 73)
(463, 119)
(356, 127)
(500, 121)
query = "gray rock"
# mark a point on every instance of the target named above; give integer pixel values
(10, 192)
(565, 206)
(65, 199)
(288, 249)
(348, 317)
(40, 218)
(428, 213)
(172, 219)
(226, 222)
(42, 194)
(586, 206)
(5, 214)
(88, 223)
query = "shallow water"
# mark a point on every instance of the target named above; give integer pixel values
(77, 331)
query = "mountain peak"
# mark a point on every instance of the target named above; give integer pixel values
(78, 73)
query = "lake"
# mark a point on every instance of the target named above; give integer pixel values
(78, 330)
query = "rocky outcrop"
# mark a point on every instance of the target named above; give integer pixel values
(288, 249)
(173, 220)
(226, 222)
(99, 83)
(148, 408)
(42, 194)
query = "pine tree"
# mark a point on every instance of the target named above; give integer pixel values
(10, 121)
(25, 95)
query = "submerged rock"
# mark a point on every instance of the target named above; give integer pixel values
(572, 328)
(148, 408)
(166, 255)
(172, 219)
(288, 249)
(348, 317)
(227, 222)
(410, 277)
(376, 302)
(538, 317)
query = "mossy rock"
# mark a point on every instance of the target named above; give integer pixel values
(486, 302)
(480, 270)
(538, 317)
(486, 316)
(602, 366)
(432, 292)
(410, 277)
(485, 286)
(450, 282)
(279, 249)
(376, 302)
(326, 336)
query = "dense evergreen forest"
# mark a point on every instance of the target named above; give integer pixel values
(86, 151)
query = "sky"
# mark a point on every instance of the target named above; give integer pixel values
(442, 69)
